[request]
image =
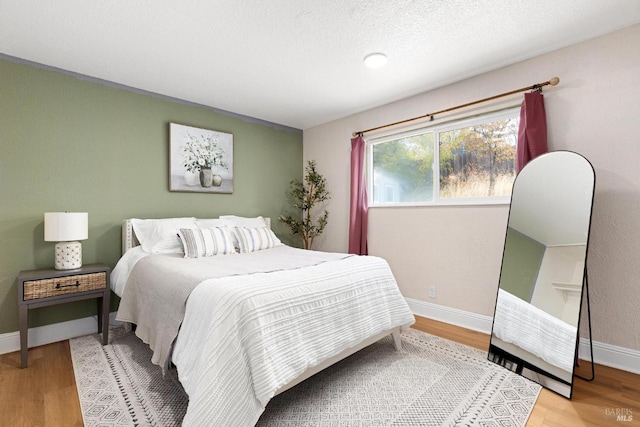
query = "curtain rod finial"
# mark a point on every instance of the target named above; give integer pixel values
(554, 81)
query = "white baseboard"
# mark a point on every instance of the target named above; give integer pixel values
(453, 316)
(47, 334)
(622, 358)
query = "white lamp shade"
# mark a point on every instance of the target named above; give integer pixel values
(66, 226)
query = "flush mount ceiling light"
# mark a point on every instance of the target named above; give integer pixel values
(375, 60)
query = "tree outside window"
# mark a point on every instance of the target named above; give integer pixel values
(474, 161)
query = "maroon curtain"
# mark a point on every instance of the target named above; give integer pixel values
(359, 207)
(532, 135)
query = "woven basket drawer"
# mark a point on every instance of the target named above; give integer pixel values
(44, 288)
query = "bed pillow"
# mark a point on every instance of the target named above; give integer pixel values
(241, 221)
(206, 242)
(213, 222)
(252, 239)
(160, 236)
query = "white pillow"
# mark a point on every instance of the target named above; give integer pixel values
(241, 221)
(160, 236)
(213, 222)
(252, 239)
(199, 242)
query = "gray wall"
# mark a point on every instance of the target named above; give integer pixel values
(71, 144)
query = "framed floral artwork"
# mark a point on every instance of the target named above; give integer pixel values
(200, 160)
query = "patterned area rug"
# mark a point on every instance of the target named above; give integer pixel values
(431, 382)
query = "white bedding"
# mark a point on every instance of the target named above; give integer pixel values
(526, 326)
(281, 257)
(245, 336)
(121, 271)
(158, 286)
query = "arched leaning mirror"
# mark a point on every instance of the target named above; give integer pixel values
(535, 326)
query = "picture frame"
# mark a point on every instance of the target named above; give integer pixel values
(200, 160)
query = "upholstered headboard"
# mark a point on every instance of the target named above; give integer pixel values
(129, 239)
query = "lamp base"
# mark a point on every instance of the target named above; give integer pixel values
(68, 255)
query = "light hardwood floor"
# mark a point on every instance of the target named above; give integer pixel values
(44, 394)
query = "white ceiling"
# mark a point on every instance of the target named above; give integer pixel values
(299, 62)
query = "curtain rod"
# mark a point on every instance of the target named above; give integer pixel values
(553, 81)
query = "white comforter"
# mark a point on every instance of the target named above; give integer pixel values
(520, 323)
(243, 337)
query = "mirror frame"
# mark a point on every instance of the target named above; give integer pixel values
(526, 368)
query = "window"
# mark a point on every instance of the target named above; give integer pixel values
(462, 162)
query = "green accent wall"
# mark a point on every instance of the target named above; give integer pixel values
(73, 144)
(520, 264)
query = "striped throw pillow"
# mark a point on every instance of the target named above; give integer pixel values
(252, 239)
(205, 242)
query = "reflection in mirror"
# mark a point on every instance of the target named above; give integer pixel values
(535, 326)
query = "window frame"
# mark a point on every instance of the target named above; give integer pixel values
(508, 112)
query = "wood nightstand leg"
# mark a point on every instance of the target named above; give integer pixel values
(103, 316)
(24, 335)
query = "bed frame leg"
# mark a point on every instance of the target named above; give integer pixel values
(397, 342)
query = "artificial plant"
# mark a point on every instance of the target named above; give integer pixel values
(305, 196)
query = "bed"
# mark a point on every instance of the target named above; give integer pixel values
(243, 317)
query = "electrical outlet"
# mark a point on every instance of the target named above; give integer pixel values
(432, 291)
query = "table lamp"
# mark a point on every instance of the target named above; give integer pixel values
(66, 228)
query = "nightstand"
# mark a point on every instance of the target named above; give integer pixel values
(41, 288)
